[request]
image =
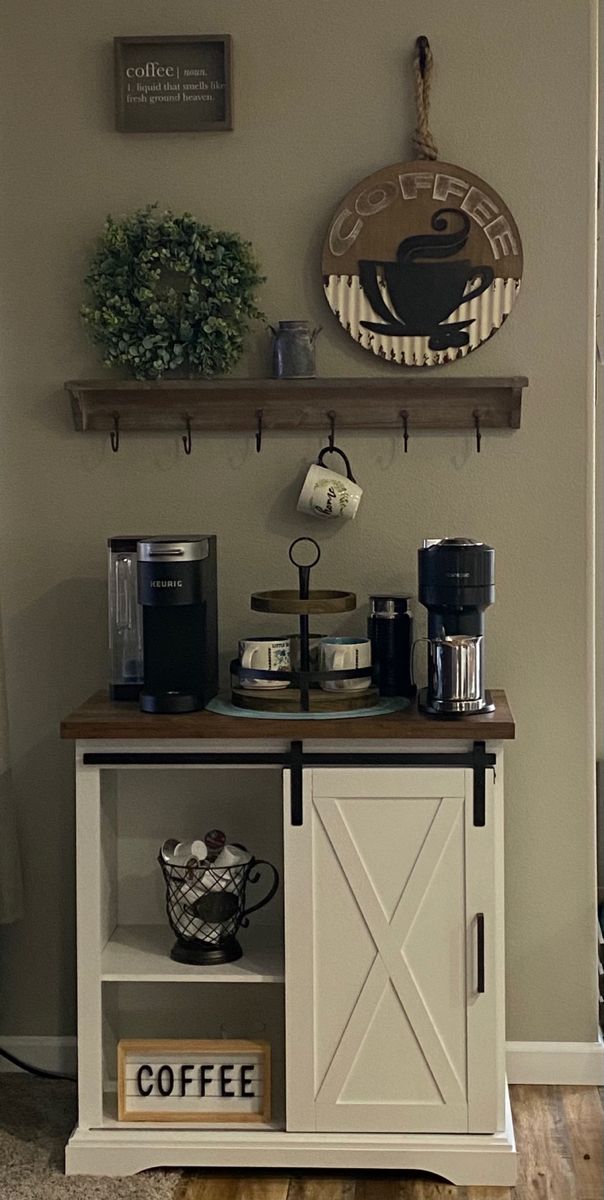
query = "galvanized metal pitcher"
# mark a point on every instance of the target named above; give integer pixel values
(294, 350)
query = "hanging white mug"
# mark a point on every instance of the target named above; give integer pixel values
(328, 495)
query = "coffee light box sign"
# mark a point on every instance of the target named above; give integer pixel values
(173, 84)
(214, 1082)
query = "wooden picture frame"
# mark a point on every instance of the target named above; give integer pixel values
(175, 1052)
(175, 84)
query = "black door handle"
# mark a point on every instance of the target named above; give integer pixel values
(296, 785)
(480, 952)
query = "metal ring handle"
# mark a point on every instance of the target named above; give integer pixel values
(336, 450)
(299, 565)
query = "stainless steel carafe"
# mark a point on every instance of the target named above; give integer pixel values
(456, 673)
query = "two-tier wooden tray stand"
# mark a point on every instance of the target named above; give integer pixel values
(304, 694)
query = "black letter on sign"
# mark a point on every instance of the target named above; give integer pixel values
(165, 1089)
(205, 1073)
(223, 1079)
(185, 1077)
(139, 1081)
(246, 1083)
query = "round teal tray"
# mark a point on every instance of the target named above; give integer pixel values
(226, 709)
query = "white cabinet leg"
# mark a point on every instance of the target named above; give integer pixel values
(89, 945)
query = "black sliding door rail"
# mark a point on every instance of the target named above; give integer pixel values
(296, 759)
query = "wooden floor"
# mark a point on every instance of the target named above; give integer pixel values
(560, 1140)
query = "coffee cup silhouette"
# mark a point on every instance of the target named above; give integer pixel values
(424, 294)
(418, 296)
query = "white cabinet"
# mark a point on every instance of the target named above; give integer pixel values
(383, 1002)
(393, 954)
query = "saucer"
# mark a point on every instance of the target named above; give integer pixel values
(397, 329)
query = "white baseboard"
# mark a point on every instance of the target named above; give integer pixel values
(526, 1062)
(555, 1062)
(51, 1053)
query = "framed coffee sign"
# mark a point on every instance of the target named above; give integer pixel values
(215, 1082)
(173, 84)
(422, 262)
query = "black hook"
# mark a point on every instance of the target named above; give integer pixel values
(476, 416)
(332, 429)
(259, 415)
(422, 45)
(115, 433)
(186, 440)
(405, 420)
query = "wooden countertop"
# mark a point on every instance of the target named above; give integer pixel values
(100, 717)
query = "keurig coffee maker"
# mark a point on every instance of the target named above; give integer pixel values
(178, 594)
(456, 584)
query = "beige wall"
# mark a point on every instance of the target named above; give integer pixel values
(319, 102)
(599, 439)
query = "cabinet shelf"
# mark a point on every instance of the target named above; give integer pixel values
(385, 403)
(142, 953)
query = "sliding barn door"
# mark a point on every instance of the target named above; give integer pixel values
(378, 950)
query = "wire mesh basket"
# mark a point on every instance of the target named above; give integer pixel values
(206, 906)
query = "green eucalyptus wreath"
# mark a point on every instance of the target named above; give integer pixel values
(170, 294)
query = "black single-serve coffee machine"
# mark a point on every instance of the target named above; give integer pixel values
(456, 585)
(178, 594)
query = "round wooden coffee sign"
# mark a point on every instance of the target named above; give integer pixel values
(422, 263)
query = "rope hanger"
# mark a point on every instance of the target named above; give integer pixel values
(423, 63)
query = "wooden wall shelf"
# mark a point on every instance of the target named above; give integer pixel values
(443, 403)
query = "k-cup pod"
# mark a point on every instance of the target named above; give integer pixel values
(177, 854)
(183, 854)
(232, 856)
(167, 849)
(214, 841)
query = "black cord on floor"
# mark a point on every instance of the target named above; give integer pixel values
(40, 1071)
